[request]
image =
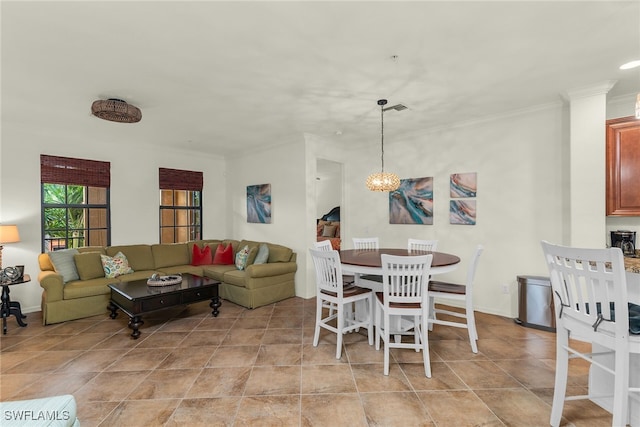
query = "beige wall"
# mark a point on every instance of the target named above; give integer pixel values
(521, 196)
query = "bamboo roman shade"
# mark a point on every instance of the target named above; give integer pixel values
(176, 179)
(70, 171)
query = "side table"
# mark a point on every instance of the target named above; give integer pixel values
(8, 307)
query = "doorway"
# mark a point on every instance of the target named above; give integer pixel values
(328, 190)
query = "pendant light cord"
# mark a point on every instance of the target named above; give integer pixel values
(382, 135)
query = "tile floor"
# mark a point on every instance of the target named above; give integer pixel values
(259, 368)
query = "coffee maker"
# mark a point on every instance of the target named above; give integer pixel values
(625, 240)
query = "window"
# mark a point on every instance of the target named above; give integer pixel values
(180, 205)
(75, 203)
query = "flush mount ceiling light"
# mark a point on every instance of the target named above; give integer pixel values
(116, 110)
(383, 181)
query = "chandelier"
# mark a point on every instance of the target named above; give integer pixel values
(116, 110)
(382, 181)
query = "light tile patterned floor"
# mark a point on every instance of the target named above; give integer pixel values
(259, 368)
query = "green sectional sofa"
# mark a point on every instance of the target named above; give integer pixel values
(88, 295)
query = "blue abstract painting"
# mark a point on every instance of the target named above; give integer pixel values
(464, 185)
(259, 203)
(462, 212)
(412, 202)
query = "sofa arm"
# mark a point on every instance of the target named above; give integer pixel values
(52, 283)
(271, 269)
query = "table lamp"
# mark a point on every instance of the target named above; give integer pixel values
(8, 234)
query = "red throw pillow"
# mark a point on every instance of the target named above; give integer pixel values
(201, 256)
(223, 255)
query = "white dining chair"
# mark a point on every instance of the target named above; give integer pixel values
(404, 295)
(324, 245)
(366, 243)
(422, 245)
(347, 279)
(331, 292)
(457, 293)
(591, 304)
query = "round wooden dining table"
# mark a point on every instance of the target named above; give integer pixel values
(358, 261)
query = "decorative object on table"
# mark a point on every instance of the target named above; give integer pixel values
(412, 202)
(9, 275)
(157, 280)
(384, 181)
(259, 203)
(8, 234)
(462, 212)
(463, 184)
(116, 110)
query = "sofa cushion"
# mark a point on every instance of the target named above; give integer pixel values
(99, 249)
(140, 257)
(201, 256)
(89, 265)
(115, 266)
(87, 288)
(169, 254)
(278, 253)
(181, 269)
(235, 278)
(217, 271)
(64, 264)
(263, 254)
(223, 255)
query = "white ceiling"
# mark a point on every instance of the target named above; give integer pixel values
(227, 76)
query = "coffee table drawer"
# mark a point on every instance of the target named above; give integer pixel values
(198, 294)
(161, 301)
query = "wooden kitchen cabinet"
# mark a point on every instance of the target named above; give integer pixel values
(623, 167)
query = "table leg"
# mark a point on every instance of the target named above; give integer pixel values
(134, 323)
(215, 304)
(9, 308)
(113, 309)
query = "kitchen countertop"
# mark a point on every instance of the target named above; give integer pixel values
(632, 265)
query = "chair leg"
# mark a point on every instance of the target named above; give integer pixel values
(473, 332)
(425, 346)
(386, 339)
(620, 390)
(371, 320)
(562, 370)
(316, 334)
(339, 333)
(416, 333)
(378, 319)
(432, 311)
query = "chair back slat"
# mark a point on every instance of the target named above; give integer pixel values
(405, 278)
(421, 245)
(590, 292)
(324, 245)
(366, 243)
(328, 270)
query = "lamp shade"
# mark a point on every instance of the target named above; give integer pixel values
(9, 234)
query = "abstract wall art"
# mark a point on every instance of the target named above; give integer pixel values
(412, 202)
(462, 212)
(259, 203)
(464, 184)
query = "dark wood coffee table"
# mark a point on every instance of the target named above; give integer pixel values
(136, 298)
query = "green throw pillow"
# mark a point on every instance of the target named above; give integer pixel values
(64, 264)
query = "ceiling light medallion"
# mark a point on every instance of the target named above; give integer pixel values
(116, 110)
(383, 181)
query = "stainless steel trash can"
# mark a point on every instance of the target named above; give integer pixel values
(535, 303)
